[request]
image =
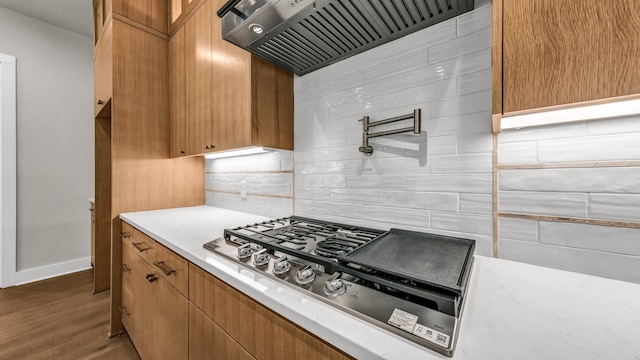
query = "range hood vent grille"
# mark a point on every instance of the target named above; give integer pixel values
(331, 30)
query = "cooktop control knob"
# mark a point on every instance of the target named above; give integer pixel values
(334, 286)
(305, 275)
(261, 258)
(245, 251)
(281, 266)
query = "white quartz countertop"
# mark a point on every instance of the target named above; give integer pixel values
(513, 310)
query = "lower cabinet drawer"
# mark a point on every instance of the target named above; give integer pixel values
(263, 333)
(207, 338)
(172, 267)
(126, 311)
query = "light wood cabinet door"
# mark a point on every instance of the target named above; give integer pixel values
(199, 56)
(103, 70)
(264, 334)
(177, 93)
(150, 13)
(558, 52)
(208, 341)
(161, 317)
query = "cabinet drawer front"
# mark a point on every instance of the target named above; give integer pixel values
(127, 265)
(127, 233)
(172, 267)
(206, 338)
(144, 246)
(260, 331)
(126, 311)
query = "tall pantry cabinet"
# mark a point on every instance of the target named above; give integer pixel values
(134, 171)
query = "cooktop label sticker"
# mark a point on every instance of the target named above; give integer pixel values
(432, 335)
(403, 320)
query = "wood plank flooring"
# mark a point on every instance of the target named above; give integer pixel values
(59, 318)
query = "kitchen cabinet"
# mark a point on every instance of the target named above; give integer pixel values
(233, 99)
(152, 14)
(206, 338)
(101, 14)
(178, 10)
(550, 53)
(103, 70)
(264, 334)
(134, 171)
(153, 311)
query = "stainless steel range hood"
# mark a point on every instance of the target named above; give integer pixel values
(305, 35)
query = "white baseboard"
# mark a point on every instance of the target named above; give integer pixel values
(53, 270)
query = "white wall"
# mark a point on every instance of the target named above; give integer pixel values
(55, 144)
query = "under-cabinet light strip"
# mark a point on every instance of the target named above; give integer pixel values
(239, 152)
(587, 112)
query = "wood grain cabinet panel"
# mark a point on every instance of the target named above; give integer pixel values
(233, 99)
(103, 70)
(207, 340)
(557, 52)
(150, 13)
(200, 134)
(264, 334)
(177, 93)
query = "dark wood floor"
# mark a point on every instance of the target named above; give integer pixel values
(59, 318)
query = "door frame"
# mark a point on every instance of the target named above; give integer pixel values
(8, 169)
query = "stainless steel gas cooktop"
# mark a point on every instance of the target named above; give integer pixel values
(410, 283)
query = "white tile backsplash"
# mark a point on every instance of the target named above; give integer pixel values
(600, 193)
(443, 70)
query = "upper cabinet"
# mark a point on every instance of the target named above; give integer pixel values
(103, 70)
(231, 98)
(550, 53)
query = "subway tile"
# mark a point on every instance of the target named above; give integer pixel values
(598, 263)
(592, 237)
(440, 145)
(277, 213)
(339, 209)
(397, 215)
(589, 180)
(356, 196)
(422, 200)
(518, 229)
(313, 193)
(466, 223)
(475, 143)
(591, 148)
(396, 165)
(457, 124)
(518, 153)
(304, 206)
(629, 124)
(281, 178)
(462, 183)
(324, 181)
(614, 207)
(463, 104)
(384, 181)
(474, 82)
(462, 163)
(270, 189)
(469, 43)
(540, 203)
(469, 63)
(476, 203)
(413, 96)
(474, 20)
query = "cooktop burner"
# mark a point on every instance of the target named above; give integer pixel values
(410, 283)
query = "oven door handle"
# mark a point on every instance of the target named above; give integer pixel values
(230, 6)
